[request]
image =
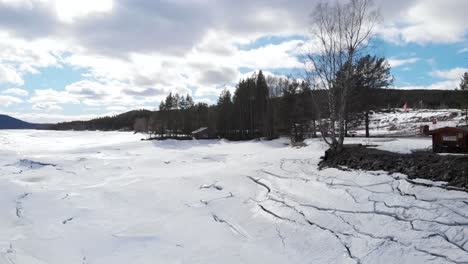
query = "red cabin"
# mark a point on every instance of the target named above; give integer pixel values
(450, 139)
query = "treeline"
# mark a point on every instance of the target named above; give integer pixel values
(263, 107)
(254, 110)
(430, 99)
(177, 117)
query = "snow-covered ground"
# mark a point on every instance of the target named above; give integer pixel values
(107, 197)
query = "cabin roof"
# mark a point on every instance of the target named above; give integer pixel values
(463, 129)
(201, 129)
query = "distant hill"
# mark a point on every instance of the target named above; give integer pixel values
(123, 121)
(8, 122)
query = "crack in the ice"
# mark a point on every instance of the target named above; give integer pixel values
(284, 177)
(257, 181)
(375, 211)
(333, 232)
(375, 249)
(454, 211)
(444, 237)
(19, 204)
(67, 220)
(359, 232)
(447, 258)
(283, 161)
(400, 206)
(206, 202)
(353, 183)
(281, 237)
(445, 187)
(275, 215)
(231, 226)
(66, 171)
(378, 212)
(8, 252)
(395, 188)
(415, 196)
(213, 185)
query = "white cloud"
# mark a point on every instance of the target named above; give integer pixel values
(444, 85)
(68, 11)
(205, 100)
(451, 80)
(208, 91)
(435, 21)
(46, 107)
(50, 96)
(463, 50)
(400, 62)
(152, 76)
(9, 75)
(16, 91)
(6, 100)
(283, 55)
(118, 108)
(31, 55)
(452, 74)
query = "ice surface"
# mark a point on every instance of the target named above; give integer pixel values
(107, 197)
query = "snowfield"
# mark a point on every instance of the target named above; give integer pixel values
(107, 197)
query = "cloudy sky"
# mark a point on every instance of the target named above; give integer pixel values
(67, 59)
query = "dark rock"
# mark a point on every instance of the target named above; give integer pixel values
(425, 165)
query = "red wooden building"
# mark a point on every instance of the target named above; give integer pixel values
(450, 139)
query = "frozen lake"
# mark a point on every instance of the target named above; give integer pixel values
(107, 197)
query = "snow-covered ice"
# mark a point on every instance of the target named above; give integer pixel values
(107, 197)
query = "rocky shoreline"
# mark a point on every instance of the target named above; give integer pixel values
(452, 169)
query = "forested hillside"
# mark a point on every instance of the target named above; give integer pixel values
(123, 121)
(8, 122)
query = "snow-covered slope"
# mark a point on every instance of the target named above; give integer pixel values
(107, 197)
(400, 123)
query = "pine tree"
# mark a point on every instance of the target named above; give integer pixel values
(189, 101)
(262, 119)
(224, 108)
(370, 72)
(162, 106)
(290, 109)
(169, 103)
(244, 104)
(176, 101)
(464, 82)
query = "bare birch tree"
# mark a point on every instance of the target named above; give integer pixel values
(341, 33)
